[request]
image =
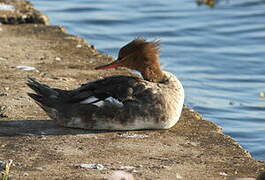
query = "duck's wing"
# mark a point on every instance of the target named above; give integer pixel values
(141, 104)
(121, 88)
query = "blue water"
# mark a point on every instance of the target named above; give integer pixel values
(218, 53)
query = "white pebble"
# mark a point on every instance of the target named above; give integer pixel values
(26, 68)
(91, 166)
(223, 174)
(58, 59)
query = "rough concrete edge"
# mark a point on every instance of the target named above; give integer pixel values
(24, 13)
(219, 130)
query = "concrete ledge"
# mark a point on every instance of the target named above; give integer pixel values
(20, 12)
(193, 149)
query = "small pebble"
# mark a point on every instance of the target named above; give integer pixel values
(79, 46)
(39, 168)
(91, 166)
(223, 174)
(194, 143)
(26, 68)
(3, 108)
(58, 59)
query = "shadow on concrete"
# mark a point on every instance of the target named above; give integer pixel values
(37, 128)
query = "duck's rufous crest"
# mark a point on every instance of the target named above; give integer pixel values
(142, 56)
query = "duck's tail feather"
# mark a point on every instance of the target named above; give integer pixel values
(36, 97)
(42, 89)
(46, 97)
(44, 94)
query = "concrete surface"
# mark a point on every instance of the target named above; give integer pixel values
(193, 149)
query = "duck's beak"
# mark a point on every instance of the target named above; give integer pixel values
(114, 64)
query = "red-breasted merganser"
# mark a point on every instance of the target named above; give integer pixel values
(118, 102)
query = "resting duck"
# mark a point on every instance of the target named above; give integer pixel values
(118, 102)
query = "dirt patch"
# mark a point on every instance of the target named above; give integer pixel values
(192, 149)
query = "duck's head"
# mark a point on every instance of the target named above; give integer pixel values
(142, 56)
